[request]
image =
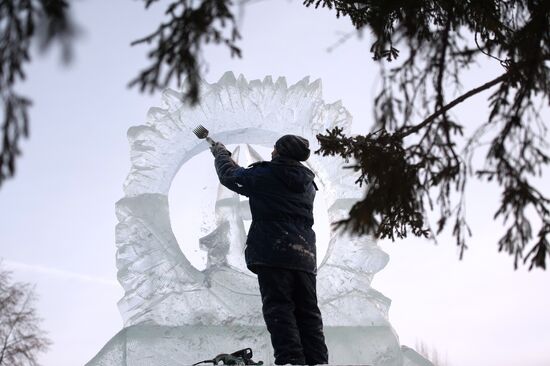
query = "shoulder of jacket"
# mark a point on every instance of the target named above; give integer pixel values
(259, 164)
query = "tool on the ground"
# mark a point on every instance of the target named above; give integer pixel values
(201, 132)
(241, 357)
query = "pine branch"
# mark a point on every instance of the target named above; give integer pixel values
(409, 130)
(20, 23)
(179, 43)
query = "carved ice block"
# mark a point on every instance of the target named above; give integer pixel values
(175, 314)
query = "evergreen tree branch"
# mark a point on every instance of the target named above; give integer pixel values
(409, 130)
(179, 43)
(20, 23)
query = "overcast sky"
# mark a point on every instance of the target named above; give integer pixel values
(57, 216)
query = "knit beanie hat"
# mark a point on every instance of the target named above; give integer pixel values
(294, 147)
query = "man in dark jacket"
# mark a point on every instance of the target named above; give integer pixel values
(280, 247)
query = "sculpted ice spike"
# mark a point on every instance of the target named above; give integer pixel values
(228, 210)
(255, 156)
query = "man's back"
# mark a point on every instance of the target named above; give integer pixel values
(281, 195)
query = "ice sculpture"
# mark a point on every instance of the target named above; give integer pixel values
(175, 314)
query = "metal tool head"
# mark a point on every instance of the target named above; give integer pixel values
(201, 132)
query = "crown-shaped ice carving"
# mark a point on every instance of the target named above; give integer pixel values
(255, 112)
(161, 285)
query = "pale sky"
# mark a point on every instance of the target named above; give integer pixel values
(57, 216)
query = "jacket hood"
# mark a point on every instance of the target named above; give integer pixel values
(293, 174)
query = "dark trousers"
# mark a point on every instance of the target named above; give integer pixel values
(292, 316)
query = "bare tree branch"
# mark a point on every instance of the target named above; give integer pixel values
(21, 339)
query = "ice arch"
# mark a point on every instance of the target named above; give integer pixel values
(170, 308)
(214, 231)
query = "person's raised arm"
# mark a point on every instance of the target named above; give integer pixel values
(231, 175)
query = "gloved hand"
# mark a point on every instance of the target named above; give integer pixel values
(218, 148)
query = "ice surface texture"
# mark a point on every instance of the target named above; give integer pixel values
(161, 285)
(166, 294)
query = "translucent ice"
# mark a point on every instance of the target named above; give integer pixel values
(176, 314)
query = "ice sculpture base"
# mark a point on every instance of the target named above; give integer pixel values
(146, 345)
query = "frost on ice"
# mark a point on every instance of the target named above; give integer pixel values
(176, 314)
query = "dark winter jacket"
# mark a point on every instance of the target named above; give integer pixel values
(281, 194)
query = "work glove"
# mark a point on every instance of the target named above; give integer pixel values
(218, 149)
